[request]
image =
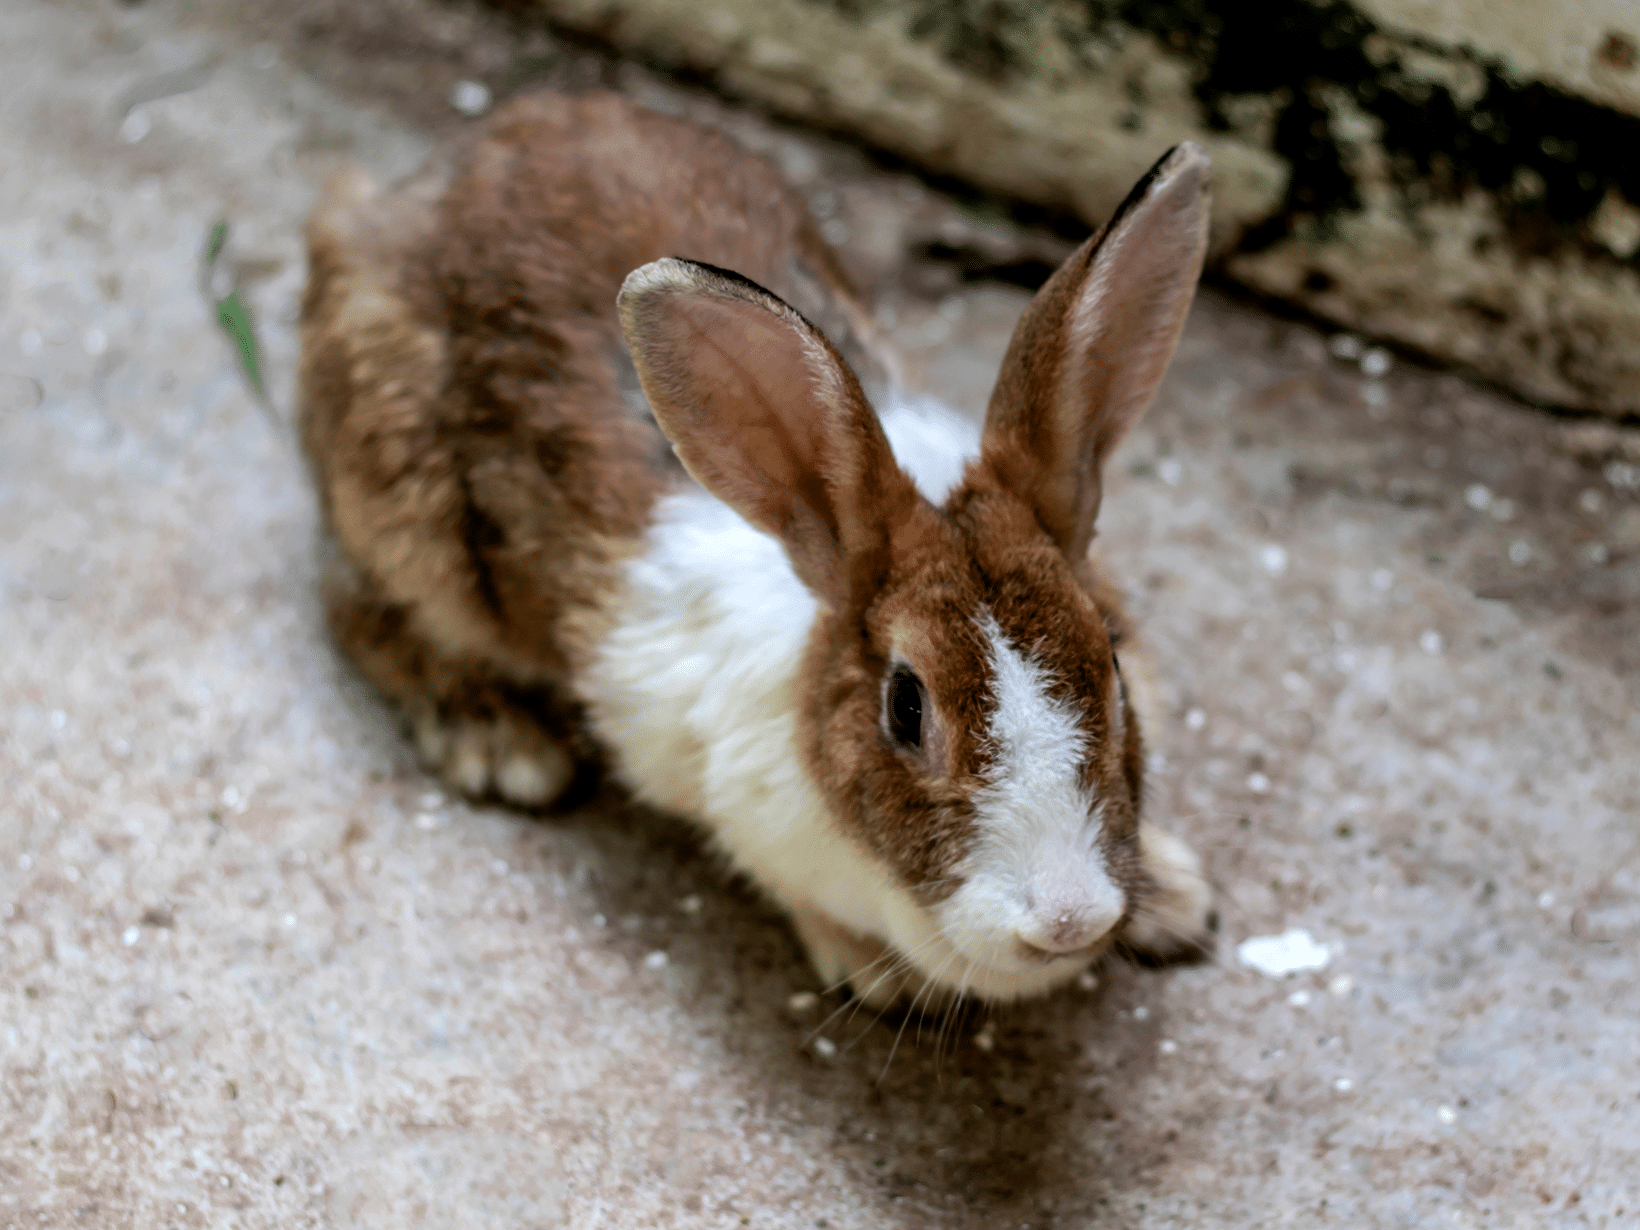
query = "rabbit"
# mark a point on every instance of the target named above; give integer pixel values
(586, 407)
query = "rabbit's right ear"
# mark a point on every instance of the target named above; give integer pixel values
(765, 415)
(1092, 346)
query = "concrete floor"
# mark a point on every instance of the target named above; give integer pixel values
(256, 970)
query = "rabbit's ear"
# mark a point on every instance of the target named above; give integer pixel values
(1087, 356)
(765, 415)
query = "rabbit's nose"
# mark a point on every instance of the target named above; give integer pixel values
(1065, 927)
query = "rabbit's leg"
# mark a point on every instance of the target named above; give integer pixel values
(1174, 919)
(486, 743)
(481, 732)
(839, 955)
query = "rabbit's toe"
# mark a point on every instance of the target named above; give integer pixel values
(1174, 919)
(501, 756)
(841, 956)
(534, 779)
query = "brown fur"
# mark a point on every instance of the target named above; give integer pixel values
(767, 417)
(486, 464)
(461, 379)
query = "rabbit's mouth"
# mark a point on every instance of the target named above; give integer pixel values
(1086, 953)
(1008, 973)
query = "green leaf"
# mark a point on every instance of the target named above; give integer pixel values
(235, 319)
(219, 237)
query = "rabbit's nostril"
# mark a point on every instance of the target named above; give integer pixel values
(1067, 931)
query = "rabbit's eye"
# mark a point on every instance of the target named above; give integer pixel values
(905, 709)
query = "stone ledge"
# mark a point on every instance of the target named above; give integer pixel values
(1435, 196)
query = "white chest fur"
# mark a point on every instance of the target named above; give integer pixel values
(693, 691)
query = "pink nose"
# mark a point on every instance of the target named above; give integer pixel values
(1069, 928)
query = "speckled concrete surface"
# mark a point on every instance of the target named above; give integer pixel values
(256, 970)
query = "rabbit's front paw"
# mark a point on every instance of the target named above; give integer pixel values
(871, 969)
(495, 754)
(1173, 919)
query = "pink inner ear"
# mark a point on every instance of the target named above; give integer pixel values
(743, 424)
(1092, 347)
(764, 413)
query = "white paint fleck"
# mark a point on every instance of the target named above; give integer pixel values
(131, 935)
(1168, 1047)
(1342, 985)
(134, 127)
(1431, 642)
(59, 719)
(1375, 363)
(1478, 496)
(1343, 1084)
(471, 98)
(1546, 901)
(289, 921)
(1195, 719)
(1171, 471)
(1622, 474)
(426, 821)
(1520, 551)
(1258, 783)
(1088, 980)
(1344, 346)
(985, 1039)
(499, 867)
(824, 1047)
(1291, 952)
(655, 960)
(1294, 682)
(1446, 1114)
(1299, 999)
(1273, 557)
(802, 1002)
(1383, 579)
(1141, 1013)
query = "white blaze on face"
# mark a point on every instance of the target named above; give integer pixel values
(1036, 873)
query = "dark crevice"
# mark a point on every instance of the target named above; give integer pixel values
(480, 535)
(1548, 157)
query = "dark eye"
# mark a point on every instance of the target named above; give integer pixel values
(905, 708)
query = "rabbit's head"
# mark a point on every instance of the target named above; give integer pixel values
(962, 706)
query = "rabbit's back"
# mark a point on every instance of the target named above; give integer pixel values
(483, 450)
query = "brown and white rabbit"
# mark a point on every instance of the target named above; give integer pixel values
(870, 655)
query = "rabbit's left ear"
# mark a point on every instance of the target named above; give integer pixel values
(1087, 356)
(765, 414)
